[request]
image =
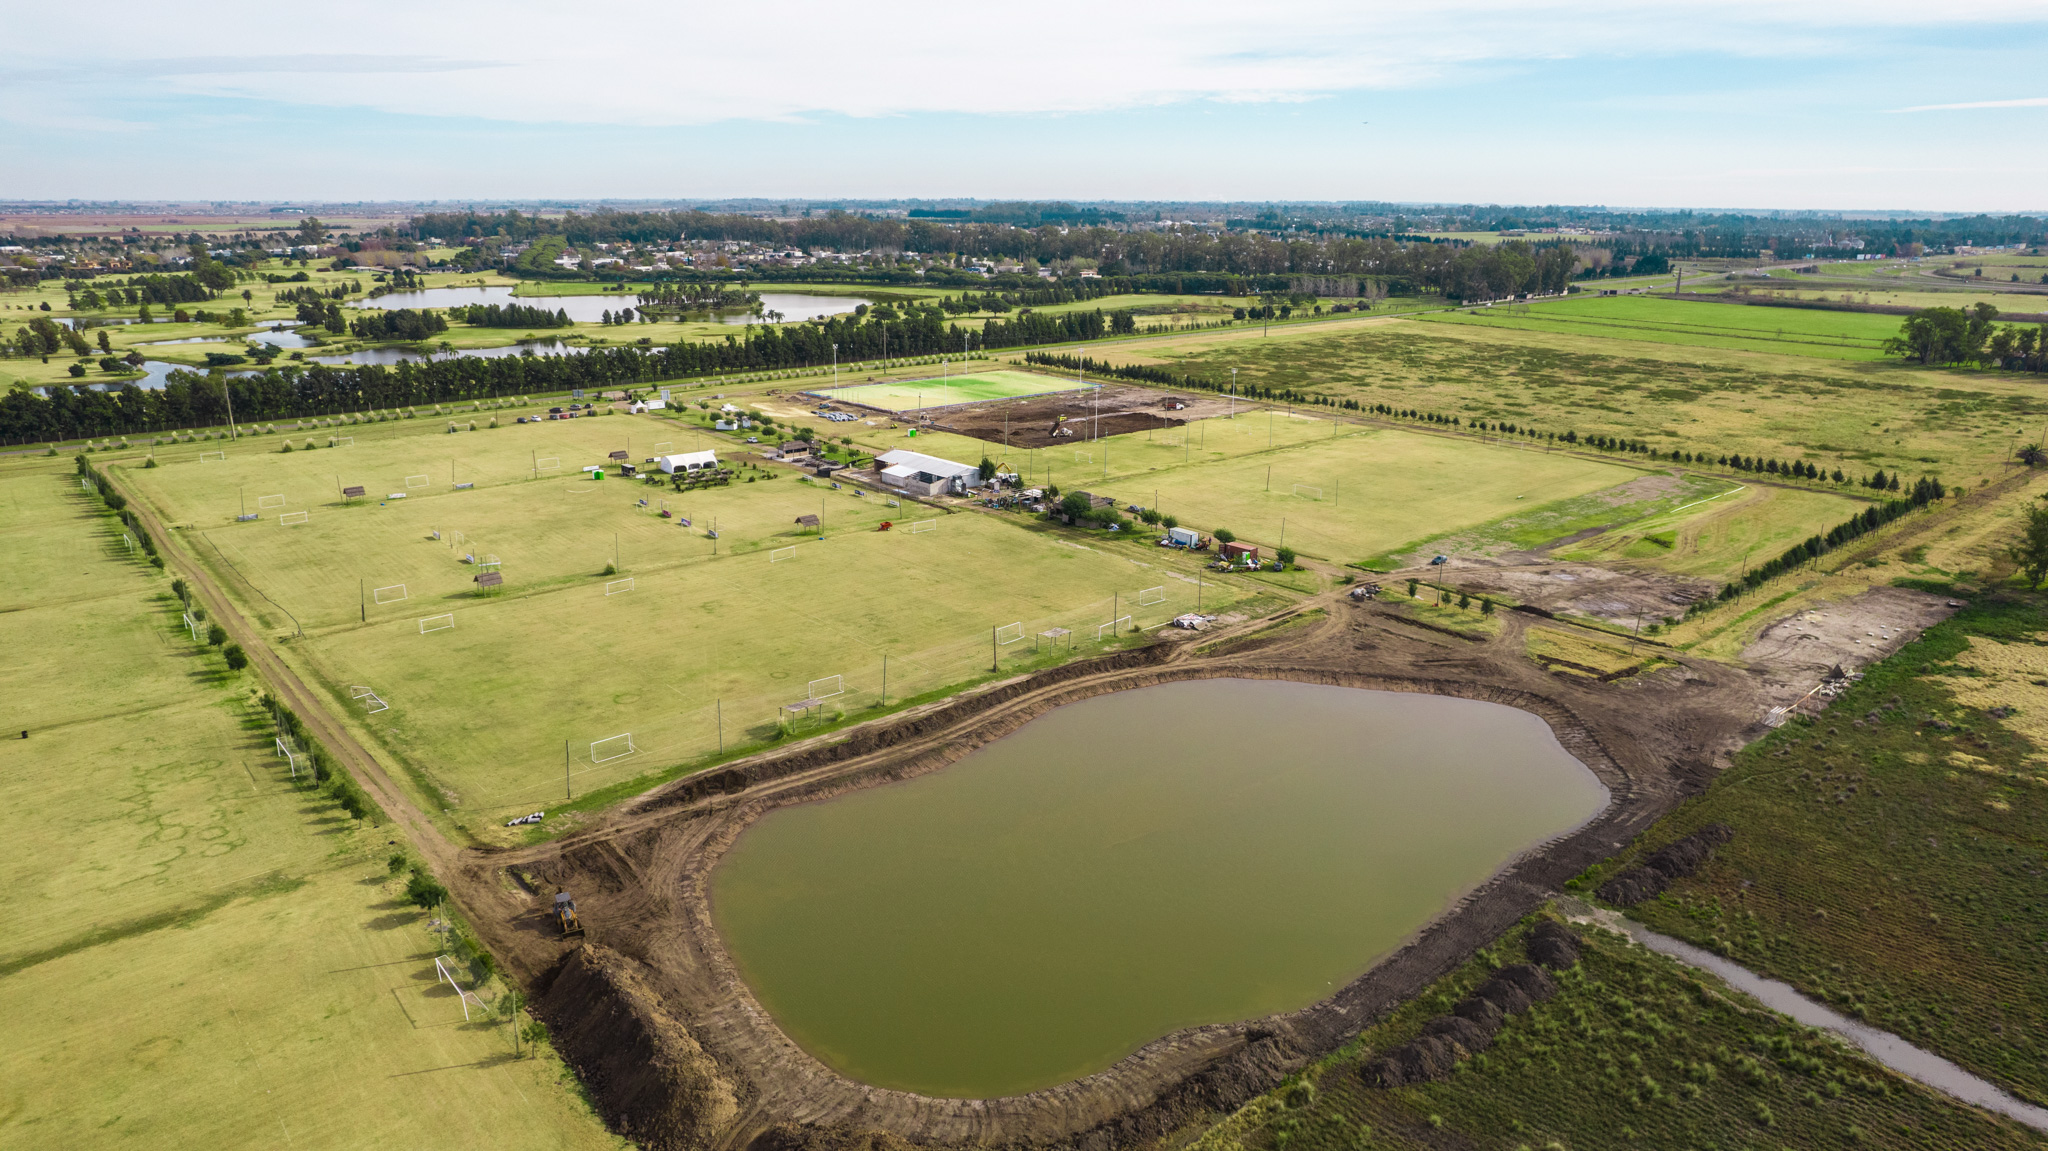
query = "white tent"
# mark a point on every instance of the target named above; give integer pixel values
(688, 461)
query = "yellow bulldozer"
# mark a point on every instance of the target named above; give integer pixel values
(565, 915)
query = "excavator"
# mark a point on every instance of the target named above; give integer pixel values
(565, 915)
(1060, 428)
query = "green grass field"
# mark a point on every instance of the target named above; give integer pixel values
(940, 391)
(1634, 1051)
(203, 954)
(706, 645)
(1786, 331)
(1962, 426)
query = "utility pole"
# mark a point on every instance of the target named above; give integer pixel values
(363, 599)
(566, 788)
(721, 726)
(994, 660)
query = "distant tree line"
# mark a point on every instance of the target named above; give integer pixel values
(398, 324)
(510, 316)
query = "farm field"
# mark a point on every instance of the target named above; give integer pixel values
(942, 391)
(1962, 426)
(1891, 867)
(1787, 331)
(204, 954)
(695, 650)
(1715, 539)
(1633, 1051)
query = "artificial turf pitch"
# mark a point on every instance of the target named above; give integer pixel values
(943, 391)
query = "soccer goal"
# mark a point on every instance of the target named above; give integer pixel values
(285, 752)
(1308, 491)
(1083, 457)
(391, 594)
(827, 687)
(444, 970)
(1152, 595)
(1113, 628)
(341, 441)
(611, 748)
(371, 701)
(547, 463)
(1010, 633)
(191, 625)
(207, 457)
(780, 554)
(265, 503)
(290, 518)
(437, 622)
(618, 586)
(417, 481)
(917, 526)
(664, 448)
(128, 542)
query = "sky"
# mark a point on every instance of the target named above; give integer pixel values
(1876, 105)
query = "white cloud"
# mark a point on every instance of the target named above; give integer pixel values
(656, 63)
(2029, 102)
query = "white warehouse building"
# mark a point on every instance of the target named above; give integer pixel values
(925, 475)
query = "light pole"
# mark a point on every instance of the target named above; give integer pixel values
(835, 365)
(1233, 394)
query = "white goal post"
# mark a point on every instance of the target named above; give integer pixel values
(618, 586)
(398, 590)
(443, 971)
(371, 701)
(341, 441)
(917, 526)
(780, 554)
(836, 683)
(265, 503)
(205, 457)
(1113, 627)
(1010, 633)
(191, 625)
(1152, 595)
(1309, 491)
(290, 518)
(1084, 457)
(423, 481)
(547, 463)
(615, 747)
(285, 752)
(437, 622)
(663, 448)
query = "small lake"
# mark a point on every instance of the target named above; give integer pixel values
(388, 356)
(794, 306)
(1126, 866)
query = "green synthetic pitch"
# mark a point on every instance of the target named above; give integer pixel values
(942, 391)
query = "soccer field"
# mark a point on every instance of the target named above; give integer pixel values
(942, 391)
(694, 644)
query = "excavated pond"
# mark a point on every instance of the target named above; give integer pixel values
(1127, 866)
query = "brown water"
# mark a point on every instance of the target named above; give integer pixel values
(1126, 866)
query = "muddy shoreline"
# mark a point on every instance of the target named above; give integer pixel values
(642, 880)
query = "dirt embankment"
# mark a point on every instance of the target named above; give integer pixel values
(656, 978)
(1112, 411)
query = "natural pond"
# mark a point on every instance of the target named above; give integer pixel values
(792, 306)
(364, 357)
(1126, 866)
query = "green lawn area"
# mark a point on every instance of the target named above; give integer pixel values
(711, 640)
(942, 391)
(1789, 331)
(203, 953)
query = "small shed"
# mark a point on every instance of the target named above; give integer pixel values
(1184, 537)
(807, 521)
(1234, 551)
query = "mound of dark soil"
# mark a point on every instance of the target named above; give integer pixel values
(1649, 878)
(810, 1137)
(1468, 1030)
(655, 1083)
(1553, 945)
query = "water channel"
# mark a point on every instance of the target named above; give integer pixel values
(1129, 865)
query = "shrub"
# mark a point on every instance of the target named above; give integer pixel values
(611, 569)
(1285, 556)
(424, 891)
(1224, 536)
(216, 635)
(1168, 522)
(397, 862)
(236, 657)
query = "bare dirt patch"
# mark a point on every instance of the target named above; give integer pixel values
(1115, 410)
(1790, 656)
(1618, 596)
